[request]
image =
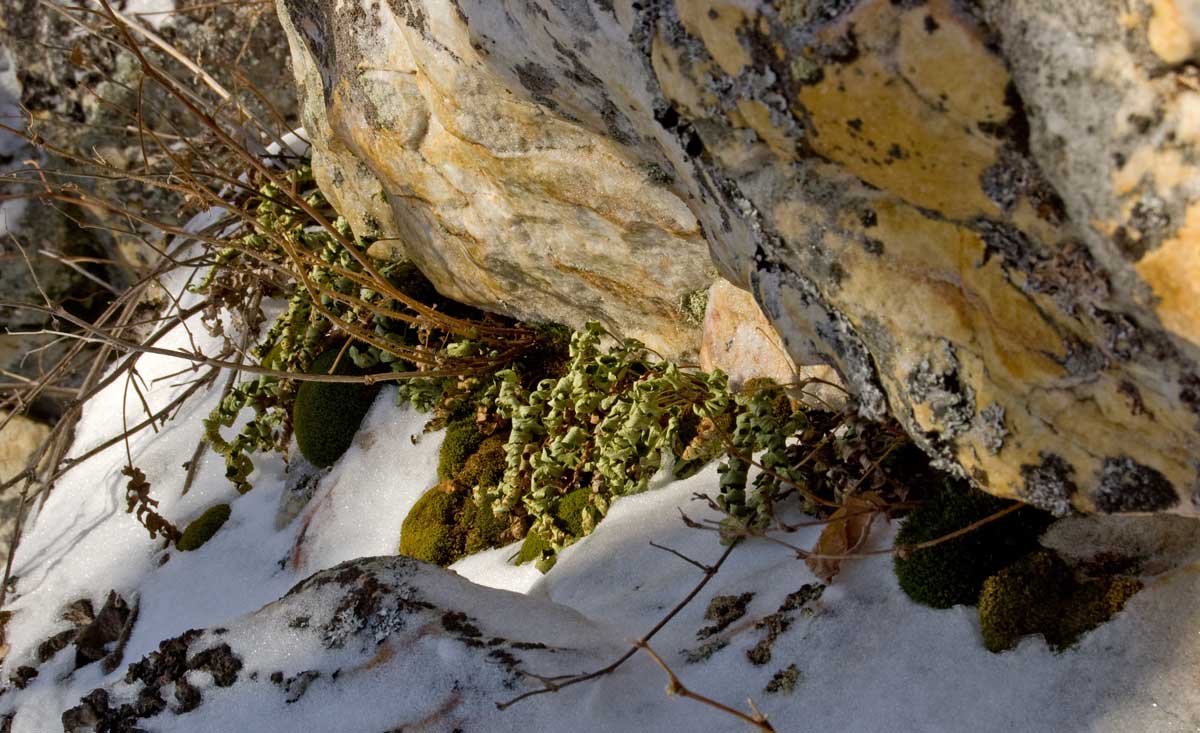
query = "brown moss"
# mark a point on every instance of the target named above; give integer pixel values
(1040, 595)
(484, 467)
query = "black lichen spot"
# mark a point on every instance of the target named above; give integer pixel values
(1134, 398)
(692, 144)
(931, 25)
(837, 274)
(855, 124)
(895, 152)
(668, 117)
(1189, 391)
(618, 125)
(868, 218)
(1013, 247)
(538, 80)
(845, 49)
(1128, 486)
(1132, 248)
(872, 246)
(1141, 123)
(460, 624)
(411, 13)
(1049, 485)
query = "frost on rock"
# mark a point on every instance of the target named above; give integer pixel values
(357, 629)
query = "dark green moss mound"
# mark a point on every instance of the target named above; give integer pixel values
(429, 531)
(326, 415)
(462, 439)
(953, 572)
(203, 528)
(569, 514)
(484, 467)
(1040, 595)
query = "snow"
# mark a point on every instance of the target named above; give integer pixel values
(868, 659)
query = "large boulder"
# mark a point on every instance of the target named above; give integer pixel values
(397, 643)
(983, 213)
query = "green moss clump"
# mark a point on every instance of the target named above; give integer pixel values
(953, 572)
(569, 514)
(462, 439)
(484, 530)
(201, 529)
(1040, 595)
(446, 524)
(326, 415)
(429, 530)
(484, 467)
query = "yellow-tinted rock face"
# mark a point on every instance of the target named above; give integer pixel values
(502, 203)
(983, 214)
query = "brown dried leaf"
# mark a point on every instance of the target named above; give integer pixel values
(847, 530)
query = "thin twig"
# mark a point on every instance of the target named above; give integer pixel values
(554, 684)
(676, 687)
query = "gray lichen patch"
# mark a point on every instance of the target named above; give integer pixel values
(784, 680)
(723, 611)
(774, 625)
(1050, 484)
(991, 423)
(693, 304)
(936, 382)
(1125, 485)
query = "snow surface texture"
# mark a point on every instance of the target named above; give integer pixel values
(389, 643)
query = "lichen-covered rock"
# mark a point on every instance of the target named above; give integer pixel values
(739, 340)
(349, 633)
(985, 214)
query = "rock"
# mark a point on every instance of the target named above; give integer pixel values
(428, 650)
(18, 440)
(500, 201)
(740, 341)
(104, 637)
(983, 214)
(1142, 545)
